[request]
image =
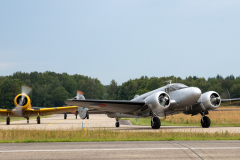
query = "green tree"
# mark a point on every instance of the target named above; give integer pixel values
(59, 95)
(113, 89)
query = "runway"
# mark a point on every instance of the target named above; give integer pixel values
(123, 150)
(99, 121)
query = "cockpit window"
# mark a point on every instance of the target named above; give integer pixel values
(174, 87)
(180, 86)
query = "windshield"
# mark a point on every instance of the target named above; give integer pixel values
(174, 87)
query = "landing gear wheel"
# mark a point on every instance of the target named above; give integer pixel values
(76, 114)
(155, 123)
(205, 122)
(8, 120)
(87, 116)
(65, 115)
(38, 119)
(117, 124)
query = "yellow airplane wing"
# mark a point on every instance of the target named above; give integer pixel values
(5, 112)
(49, 111)
(36, 112)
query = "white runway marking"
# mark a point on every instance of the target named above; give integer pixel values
(116, 149)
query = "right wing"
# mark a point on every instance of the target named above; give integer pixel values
(107, 105)
(230, 101)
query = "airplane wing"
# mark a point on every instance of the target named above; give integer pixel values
(108, 105)
(49, 111)
(41, 111)
(230, 101)
(5, 112)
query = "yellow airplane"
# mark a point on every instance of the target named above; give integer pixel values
(24, 109)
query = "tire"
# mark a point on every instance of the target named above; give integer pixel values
(206, 122)
(76, 114)
(87, 116)
(156, 123)
(38, 120)
(8, 120)
(65, 115)
(117, 124)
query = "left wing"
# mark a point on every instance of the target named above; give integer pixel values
(108, 105)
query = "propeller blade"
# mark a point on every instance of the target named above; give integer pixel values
(18, 110)
(26, 90)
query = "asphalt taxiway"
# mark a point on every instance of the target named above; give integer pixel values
(123, 150)
(99, 121)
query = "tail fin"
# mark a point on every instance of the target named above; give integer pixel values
(82, 111)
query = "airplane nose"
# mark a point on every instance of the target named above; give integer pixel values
(196, 92)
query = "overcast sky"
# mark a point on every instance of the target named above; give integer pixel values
(121, 39)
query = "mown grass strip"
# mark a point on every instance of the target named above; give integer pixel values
(19, 136)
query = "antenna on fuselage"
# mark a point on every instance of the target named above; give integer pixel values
(170, 81)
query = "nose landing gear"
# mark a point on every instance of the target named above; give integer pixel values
(155, 123)
(27, 120)
(205, 121)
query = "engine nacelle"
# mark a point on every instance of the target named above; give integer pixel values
(82, 111)
(158, 101)
(210, 100)
(23, 101)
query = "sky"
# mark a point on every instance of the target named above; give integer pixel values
(121, 40)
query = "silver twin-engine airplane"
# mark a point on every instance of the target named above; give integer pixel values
(168, 100)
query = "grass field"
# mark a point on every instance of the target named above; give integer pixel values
(218, 118)
(17, 136)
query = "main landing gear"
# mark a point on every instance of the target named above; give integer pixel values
(117, 124)
(8, 120)
(38, 119)
(205, 121)
(65, 115)
(155, 123)
(76, 114)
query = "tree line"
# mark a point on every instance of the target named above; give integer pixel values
(227, 87)
(51, 89)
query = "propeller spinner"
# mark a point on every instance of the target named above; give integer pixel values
(22, 101)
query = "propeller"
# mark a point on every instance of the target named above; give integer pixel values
(26, 90)
(22, 99)
(226, 95)
(215, 100)
(163, 100)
